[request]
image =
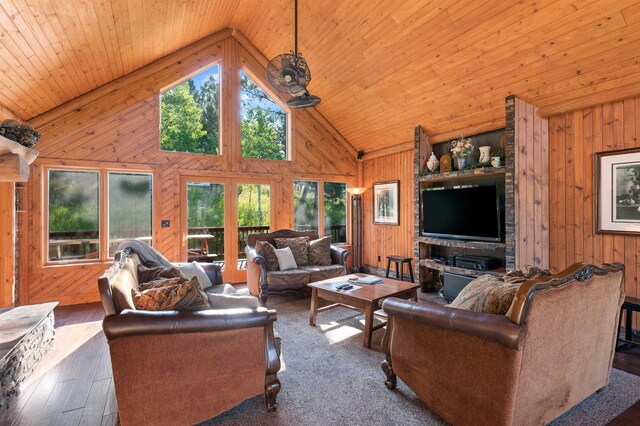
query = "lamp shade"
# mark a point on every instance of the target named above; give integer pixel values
(356, 190)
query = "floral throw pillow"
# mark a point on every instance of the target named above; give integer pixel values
(299, 247)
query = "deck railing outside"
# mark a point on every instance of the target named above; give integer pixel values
(204, 244)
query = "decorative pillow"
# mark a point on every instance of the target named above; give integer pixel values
(486, 294)
(299, 247)
(320, 251)
(500, 298)
(194, 269)
(187, 296)
(266, 250)
(286, 259)
(162, 282)
(530, 273)
(149, 274)
(474, 295)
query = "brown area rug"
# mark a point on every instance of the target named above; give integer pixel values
(328, 378)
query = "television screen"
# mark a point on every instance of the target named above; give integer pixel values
(471, 213)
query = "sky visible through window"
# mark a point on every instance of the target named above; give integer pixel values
(251, 101)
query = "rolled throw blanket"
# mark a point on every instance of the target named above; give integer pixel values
(149, 256)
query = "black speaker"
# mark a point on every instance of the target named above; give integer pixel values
(451, 260)
(453, 285)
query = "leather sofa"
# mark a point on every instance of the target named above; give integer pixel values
(183, 367)
(553, 349)
(262, 282)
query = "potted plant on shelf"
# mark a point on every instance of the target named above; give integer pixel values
(460, 150)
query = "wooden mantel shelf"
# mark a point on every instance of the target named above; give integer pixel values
(15, 160)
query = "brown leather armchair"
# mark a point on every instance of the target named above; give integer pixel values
(552, 349)
(184, 367)
(262, 282)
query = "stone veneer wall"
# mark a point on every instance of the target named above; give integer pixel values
(509, 187)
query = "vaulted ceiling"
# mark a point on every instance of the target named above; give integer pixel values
(380, 66)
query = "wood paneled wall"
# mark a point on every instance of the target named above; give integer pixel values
(7, 244)
(384, 240)
(7, 234)
(117, 126)
(531, 186)
(573, 139)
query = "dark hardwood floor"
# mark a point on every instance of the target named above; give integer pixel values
(73, 384)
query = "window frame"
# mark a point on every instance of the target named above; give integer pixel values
(346, 210)
(176, 83)
(46, 214)
(277, 99)
(320, 204)
(321, 211)
(103, 220)
(107, 221)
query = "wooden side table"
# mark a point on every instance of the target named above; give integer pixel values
(400, 261)
(630, 305)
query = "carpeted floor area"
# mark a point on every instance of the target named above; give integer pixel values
(328, 378)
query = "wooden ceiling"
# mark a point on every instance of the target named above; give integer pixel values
(380, 66)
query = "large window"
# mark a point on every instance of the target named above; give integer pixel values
(263, 123)
(130, 208)
(335, 211)
(305, 205)
(190, 114)
(74, 215)
(205, 221)
(74, 202)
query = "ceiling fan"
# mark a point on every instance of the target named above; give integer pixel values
(289, 73)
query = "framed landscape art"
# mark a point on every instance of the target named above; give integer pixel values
(385, 203)
(617, 201)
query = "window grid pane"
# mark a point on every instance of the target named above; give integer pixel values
(254, 215)
(130, 208)
(305, 205)
(335, 211)
(205, 222)
(263, 123)
(74, 215)
(190, 114)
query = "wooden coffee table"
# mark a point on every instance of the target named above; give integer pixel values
(362, 297)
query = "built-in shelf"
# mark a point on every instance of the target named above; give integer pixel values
(461, 174)
(476, 245)
(15, 160)
(432, 264)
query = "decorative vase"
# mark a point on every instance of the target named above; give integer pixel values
(485, 154)
(461, 162)
(433, 163)
(495, 162)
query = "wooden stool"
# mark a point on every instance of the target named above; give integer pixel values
(398, 260)
(630, 305)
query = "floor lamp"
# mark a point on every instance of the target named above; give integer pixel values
(356, 227)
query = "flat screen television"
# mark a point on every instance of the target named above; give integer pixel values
(467, 213)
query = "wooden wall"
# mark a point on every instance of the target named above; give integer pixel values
(531, 186)
(7, 234)
(573, 139)
(117, 126)
(384, 240)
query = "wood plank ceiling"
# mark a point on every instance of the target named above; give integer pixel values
(380, 66)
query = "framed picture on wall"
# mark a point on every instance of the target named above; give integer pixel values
(386, 207)
(617, 201)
